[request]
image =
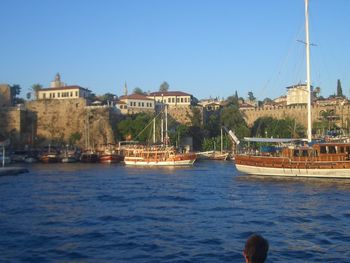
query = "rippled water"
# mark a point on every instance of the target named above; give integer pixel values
(112, 213)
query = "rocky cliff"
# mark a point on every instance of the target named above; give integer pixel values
(58, 121)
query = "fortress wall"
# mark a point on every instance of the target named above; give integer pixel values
(57, 120)
(299, 113)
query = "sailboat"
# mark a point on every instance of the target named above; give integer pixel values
(304, 158)
(157, 155)
(214, 154)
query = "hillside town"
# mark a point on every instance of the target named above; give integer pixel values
(68, 114)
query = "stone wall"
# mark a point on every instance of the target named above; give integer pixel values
(299, 113)
(12, 124)
(5, 95)
(57, 120)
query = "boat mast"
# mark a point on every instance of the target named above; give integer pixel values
(154, 130)
(308, 74)
(221, 140)
(166, 125)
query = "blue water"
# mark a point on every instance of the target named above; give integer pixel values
(112, 213)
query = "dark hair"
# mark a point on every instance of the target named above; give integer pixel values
(256, 249)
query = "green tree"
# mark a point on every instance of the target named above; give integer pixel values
(15, 91)
(339, 89)
(35, 89)
(138, 90)
(267, 100)
(251, 96)
(107, 97)
(135, 127)
(277, 128)
(164, 87)
(232, 118)
(317, 92)
(74, 137)
(232, 101)
(212, 125)
(236, 95)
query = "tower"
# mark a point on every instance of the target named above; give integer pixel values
(125, 89)
(57, 83)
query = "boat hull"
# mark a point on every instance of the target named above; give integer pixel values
(110, 158)
(141, 162)
(294, 172)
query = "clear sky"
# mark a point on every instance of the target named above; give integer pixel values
(203, 47)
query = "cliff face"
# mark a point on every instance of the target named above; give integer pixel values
(181, 114)
(58, 120)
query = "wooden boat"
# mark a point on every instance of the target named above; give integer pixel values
(70, 155)
(157, 156)
(322, 159)
(110, 157)
(89, 156)
(292, 158)
(49, 157)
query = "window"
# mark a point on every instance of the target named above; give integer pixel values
(173, 100)
(58, 94)
(139, 104)
(76, 94)
(71, 94)
(50, 95)
(331, 149)
(143, 104)
(182, 99)
(169, 100)
(44, 95)
(53, 95)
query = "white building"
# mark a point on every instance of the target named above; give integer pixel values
(171, 98)
(211, 104)
(135, 103)
(59, 90)
(297, 94)
(67, 92)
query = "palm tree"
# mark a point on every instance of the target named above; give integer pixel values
(35, 88)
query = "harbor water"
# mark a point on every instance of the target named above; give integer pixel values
(112, 213)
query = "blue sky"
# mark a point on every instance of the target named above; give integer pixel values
(203, 47)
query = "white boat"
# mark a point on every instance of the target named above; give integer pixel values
(298, 159)
(213, 155)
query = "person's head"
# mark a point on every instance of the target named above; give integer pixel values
(255, 250)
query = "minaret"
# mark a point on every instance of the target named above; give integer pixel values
(125, 89)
